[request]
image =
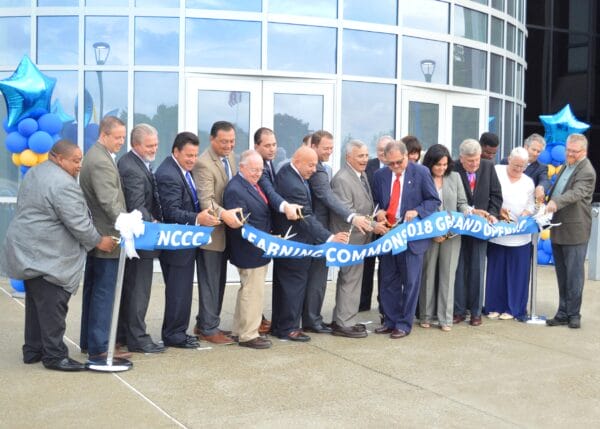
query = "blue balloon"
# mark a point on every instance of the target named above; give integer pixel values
(543, 258)
(40, 142)
(56, 137)
(561, 124)
(69, 132)
(548, 247)
(24, 169)
(15, 142)
(7, 128)
(558, 153)
(545, 157)
(27, 127)
(17, 285)
(50, 123)
(540, 245)
(92, 130)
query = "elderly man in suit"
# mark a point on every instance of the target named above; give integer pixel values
(484, 197)
(141, 193)
(46, 244)
(324, 202)
(291, 276)
(180, 204)
(101, 185)
(213, 169)
(570, 201)
(404, 191)
(244, 191)
(351, 186)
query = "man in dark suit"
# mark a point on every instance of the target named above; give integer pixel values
(484, 196)
(141, 193)
(404, 191)
(290, 275)
(489, 143)
(243, 191)
(570, 201)
(180, 204)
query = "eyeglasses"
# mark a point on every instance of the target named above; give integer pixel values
(394, 163)
(256, 170)
(574, 152)
(518, 167)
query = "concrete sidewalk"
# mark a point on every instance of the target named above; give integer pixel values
(502, 374)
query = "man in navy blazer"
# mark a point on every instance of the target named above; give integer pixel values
(243, 191)
(404, 191)
(180, 204)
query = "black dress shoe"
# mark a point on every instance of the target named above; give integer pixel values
(398, 333)
(149, 348)
(65, 364)
(32, 359)
(383, 330)
(319, 329)
(256, 343)
(351, 332)
(190, 342)
(296, 335)
(574, 323)
(557, 322)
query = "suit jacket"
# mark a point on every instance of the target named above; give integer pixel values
(537, 171)
(240, 193)
(290, 186)
(267, 184)
(101, 185)
(418, 193)
(138, 188)
(351, 192)
(210, 178)
(51, 230)
(453, 194)
(488, 192)
(574, 205)
(372, 167)
(178, 206)
(323, 199)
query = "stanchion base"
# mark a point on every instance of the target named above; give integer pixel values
(536, 320)
(102, 365)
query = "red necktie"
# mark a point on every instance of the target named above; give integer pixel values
(261, 193)
(394, 201)
(471, 177)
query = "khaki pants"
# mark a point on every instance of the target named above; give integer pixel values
(249, 303)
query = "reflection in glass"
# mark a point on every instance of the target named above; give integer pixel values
(511, 37)
(232, 106)
(518, 126)
(424, 122)
(64, 97)
(498, 4)
(509, 124)
(57, 40)
(470, 23)
(519, 80)
(465, 125)
(9, 173)
(436, 19)
(243, 5)
(156, 41)
(157, 3)
(320, 8)
(369, 54)
(14, 3)
(469, 67)
(496, 70)
(107, 29)
(107, 3)
(301, 48)
(495, 119)
(415, 50)
(511, 8)
(497, 32)
(58, 3)
(14, 39)
(368, 112)
(510, 78)
(380, 12)
(223, 43)
(520, 43)
(295, 115)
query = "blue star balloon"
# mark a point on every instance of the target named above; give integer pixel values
(27, 92)
(560, 125)
(58, 110)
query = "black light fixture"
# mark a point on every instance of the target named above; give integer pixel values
(101, 51)
(427, 67)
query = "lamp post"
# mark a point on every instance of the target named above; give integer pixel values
(427, 67)
(101, 51)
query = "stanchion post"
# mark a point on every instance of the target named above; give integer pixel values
(533, 317)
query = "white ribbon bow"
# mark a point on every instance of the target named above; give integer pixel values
(130, 225)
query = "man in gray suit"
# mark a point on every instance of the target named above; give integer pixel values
(351, 186)
(570, 201)
(101, 185)
(45, 245)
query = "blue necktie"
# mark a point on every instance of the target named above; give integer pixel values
(226, 165)
(188, 177)
(307, 188)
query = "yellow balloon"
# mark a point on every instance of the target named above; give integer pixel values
(42, 157)
(545, 234)
(16, 159)
(551, 171)
(28, 158)
(557, 169)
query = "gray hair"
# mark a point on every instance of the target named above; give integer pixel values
(535, 138)
(395, 145)
(354, 144)
(384, 140)
(519, 152)
(140, 131)
(469, 147)
(247, 155)
(578, 138)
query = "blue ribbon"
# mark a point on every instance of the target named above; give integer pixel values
(172, 236)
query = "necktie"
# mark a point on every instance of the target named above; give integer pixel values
(307, 188)
(363, 180)
(226, 165)
(158, 214)
(270, 170)
(188, 177)
(261, 193)
(394, 201)
(471, 177)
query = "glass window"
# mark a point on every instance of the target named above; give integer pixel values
(481, 1)
(301, 48)
(9, 172)
(106, 94)
(58, 3)
(243, 5)
(537, 14)
(496, 69)
(380, 12)
(436, 19)
(495, 118)
(158, 107)
(577, 52)
(107, 3)
(157, 41)
(469, 67)
(157, 3)
(498, 4)
(14, 39)
(223, 43)
(465, 125)
(57, 40)
(320, 8)
(111, 30)
(369, 54)
(511, 36)
(511, 8)
(520, 43)
(519, 80)
(15, 3)
(415, 51)
(368, 112)
(518, 137)
(509, 126)
(497, 32)
(424, 122)
(510, 78)
(470, 24)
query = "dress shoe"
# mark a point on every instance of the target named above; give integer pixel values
(149, 348)
(383, 330)
(65, 364)
(360, 327)
(574, 322)
(190, 342)
(557, 322)
(117, 354)
(265, 327)
(458, 318)
(256, 343)
(475, 321)
(297, 335)
(218, 338)
(318, 329)
(398, 333)
(351, 332)
(32, 359)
